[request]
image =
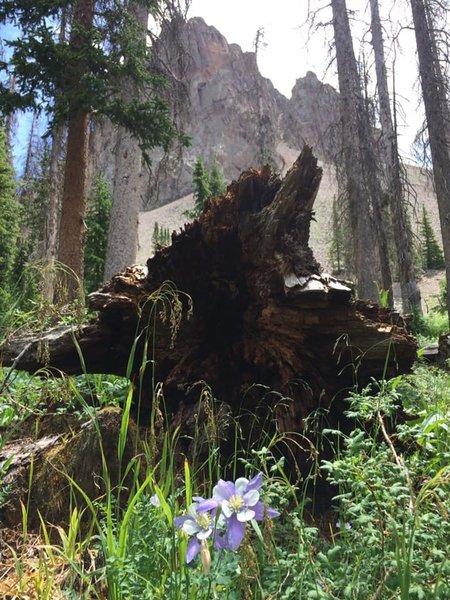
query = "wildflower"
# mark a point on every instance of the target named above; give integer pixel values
(198, 524)
(346, 525)
(155, 501)
(240, 503)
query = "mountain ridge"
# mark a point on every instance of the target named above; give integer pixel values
(237, 119)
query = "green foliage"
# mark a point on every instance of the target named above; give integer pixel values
(426, 395)
(441, 298)
(97, 225)
(207, 184)
(87, 72)
(389, 534)
(161, 237)
(392, 502)
(430, 326)
(432, 255)
(9, 222)
(217, 183)
(23, 395)
(202, 189)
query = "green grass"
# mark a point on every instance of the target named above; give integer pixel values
(387, 536)
(430, 326)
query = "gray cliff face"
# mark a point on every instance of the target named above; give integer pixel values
(312, 116)
(233, 115)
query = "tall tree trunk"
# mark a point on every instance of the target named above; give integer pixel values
(126, 198)
(30, 149)
(52, 216)
(72, 228)
(408, 285)
(10, 117)
(126, 203)
(356, 145)
(437, 116)
(73, 213)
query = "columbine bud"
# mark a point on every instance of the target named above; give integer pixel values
(205, 557)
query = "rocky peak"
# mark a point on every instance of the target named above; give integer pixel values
(233, 115)
(313, 110)
(209, 50)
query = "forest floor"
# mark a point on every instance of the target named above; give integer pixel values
(429, 288)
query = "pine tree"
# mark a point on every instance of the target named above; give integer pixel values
(207, 184)
(217, 183)
(167, 238)
(432, 255)
(436, 104)
(97, 223)
(33, 193)
(202, 189)
(161, 237)
(155, 236)
(72, 79)
(33, 199)
(9, 220)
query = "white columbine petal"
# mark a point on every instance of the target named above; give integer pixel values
(203, 534)
(227, 511)
(251, 497)
(245, 514)
(190, 527)
(241, 485)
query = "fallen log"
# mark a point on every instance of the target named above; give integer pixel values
(254, 308)
(82, 452)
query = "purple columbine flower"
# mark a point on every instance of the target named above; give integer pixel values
(198, 524)
(240, 503)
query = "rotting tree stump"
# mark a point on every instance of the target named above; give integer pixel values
(262, 313)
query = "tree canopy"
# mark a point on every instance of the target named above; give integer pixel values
(46, 66)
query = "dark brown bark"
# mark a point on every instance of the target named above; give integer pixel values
(73, 210)
(262, 313)
(408, 285)
(437, 116)
(52, 216)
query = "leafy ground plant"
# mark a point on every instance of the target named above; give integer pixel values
(167, 532)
